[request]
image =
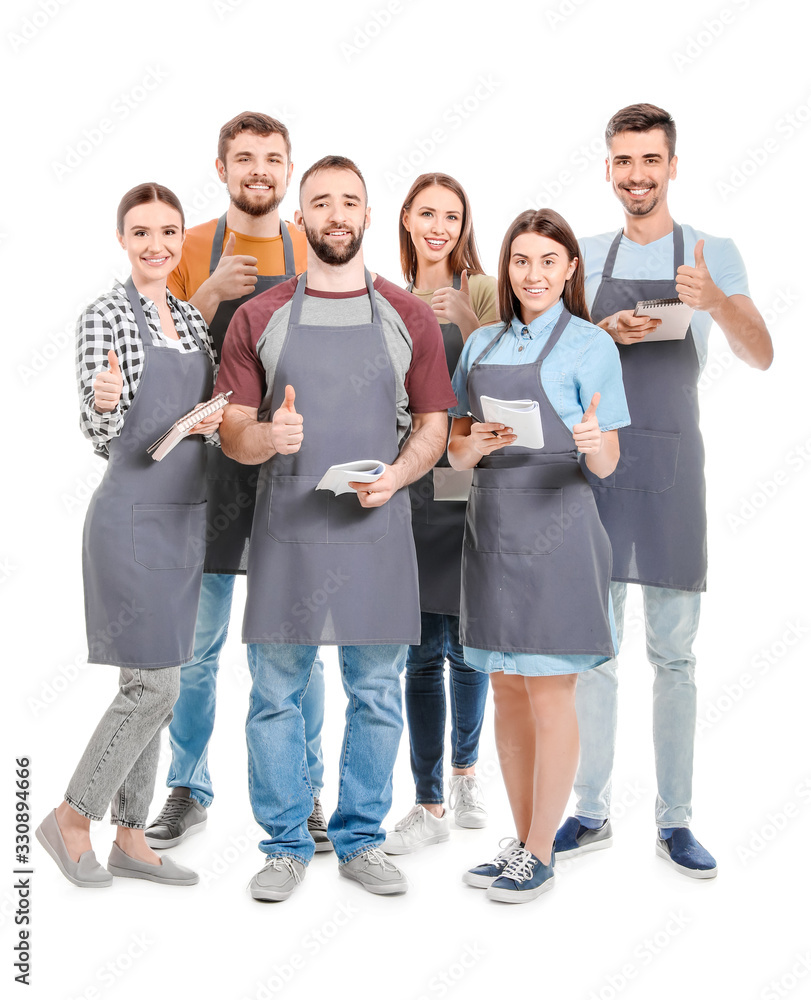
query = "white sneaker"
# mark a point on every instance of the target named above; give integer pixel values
(465, 799)
(417, 829)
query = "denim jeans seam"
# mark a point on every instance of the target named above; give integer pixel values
(347, 740)
(358, 851)
(288, 854)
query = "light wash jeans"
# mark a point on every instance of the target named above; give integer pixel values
(193, 722)
(279, 780)
(120, 763)
(671, 623)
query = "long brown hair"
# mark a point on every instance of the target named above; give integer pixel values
(549, 223)
(465, 255)
(142, 194)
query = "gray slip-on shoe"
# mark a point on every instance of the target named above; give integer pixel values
(86, 872)
(169, 872)
(278, 879)
(375, 872)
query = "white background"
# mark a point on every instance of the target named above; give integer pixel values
(619, 923)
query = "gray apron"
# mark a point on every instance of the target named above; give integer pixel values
(653, 506)
(536, 563)
(143, 543)
(231, 485)
(439, 525)
(322, 570)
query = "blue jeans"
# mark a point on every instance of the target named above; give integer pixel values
(425, 704)
(193, 722)
(671, 623)
(279, 781)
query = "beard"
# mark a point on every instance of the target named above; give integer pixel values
(257, 207)
(637, 207)
(329, 254)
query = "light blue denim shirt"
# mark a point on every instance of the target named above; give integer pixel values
(585, 360)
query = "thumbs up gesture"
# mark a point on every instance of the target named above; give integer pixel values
(287, 427)
(453, 305)
(695, 286)
(587, 435)
(107, 385)
(235, 274)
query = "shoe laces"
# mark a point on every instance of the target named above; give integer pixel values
(374, 856)
(174, 809)
(410, 819)
(521, 867)
(282, 862)
(510, 847)
(317, 816)
(466, 791)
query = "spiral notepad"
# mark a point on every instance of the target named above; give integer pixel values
(674, 314)
(180, 428)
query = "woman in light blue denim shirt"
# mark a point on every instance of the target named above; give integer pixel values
(537, 564)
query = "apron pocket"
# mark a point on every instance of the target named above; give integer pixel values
(351, 524)
(297, 511)
(169, 535)
(648, 461)
(527, 522)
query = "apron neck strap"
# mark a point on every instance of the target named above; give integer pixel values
(554, 337)
(678, 251)
(301, 285)
(147, 336)
(457, 283)
(219, 240)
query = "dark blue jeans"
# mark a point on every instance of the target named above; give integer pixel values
(425, 704)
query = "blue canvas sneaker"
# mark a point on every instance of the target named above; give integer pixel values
(483, 876)
(685, 853)
(524, 878)
(573, 838)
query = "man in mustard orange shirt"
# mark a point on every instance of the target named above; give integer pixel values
(225, 262)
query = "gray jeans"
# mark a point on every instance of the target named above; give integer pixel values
(119, 764)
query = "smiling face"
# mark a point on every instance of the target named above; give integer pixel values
(333, 214)
(256, 172)
(538, 269)
(639, 171)
(435, 222)
(153, 238)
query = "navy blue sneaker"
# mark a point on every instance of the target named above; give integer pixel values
(483, 876)
(573, 838)
(524, 878)
(686, 855)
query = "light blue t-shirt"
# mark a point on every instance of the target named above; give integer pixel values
(585, 360)
(654, 261)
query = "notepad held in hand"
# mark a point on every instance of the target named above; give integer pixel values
(523, 415)
(338, 477)
(674, 314)
(180, 428)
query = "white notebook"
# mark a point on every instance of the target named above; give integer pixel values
(674, 314)
(180, 428)
(338, 477)
(523, 415)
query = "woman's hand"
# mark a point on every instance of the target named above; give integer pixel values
(107, 385)
(587, 435)
(470, 440)
(453, 305)
(210, 424)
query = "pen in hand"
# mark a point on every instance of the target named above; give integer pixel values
(476, 420)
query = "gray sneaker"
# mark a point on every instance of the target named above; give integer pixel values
(180, 817)
(278, 879)
(375, 873)
(317, 826)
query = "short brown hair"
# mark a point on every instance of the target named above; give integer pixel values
(643, 118)
(142, 194)
(251, 121)
(465, 255)
(333, 163)
(544, 222)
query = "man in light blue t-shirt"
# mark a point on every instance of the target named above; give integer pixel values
(653, 507)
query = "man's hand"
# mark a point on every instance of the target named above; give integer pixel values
(107, 385)
(287, 427)
(694, 285)
(380, 491)
(587, 435)
(235, 274)
(625, 328)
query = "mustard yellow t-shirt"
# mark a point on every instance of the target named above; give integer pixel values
(483, 298)
(192, 270)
